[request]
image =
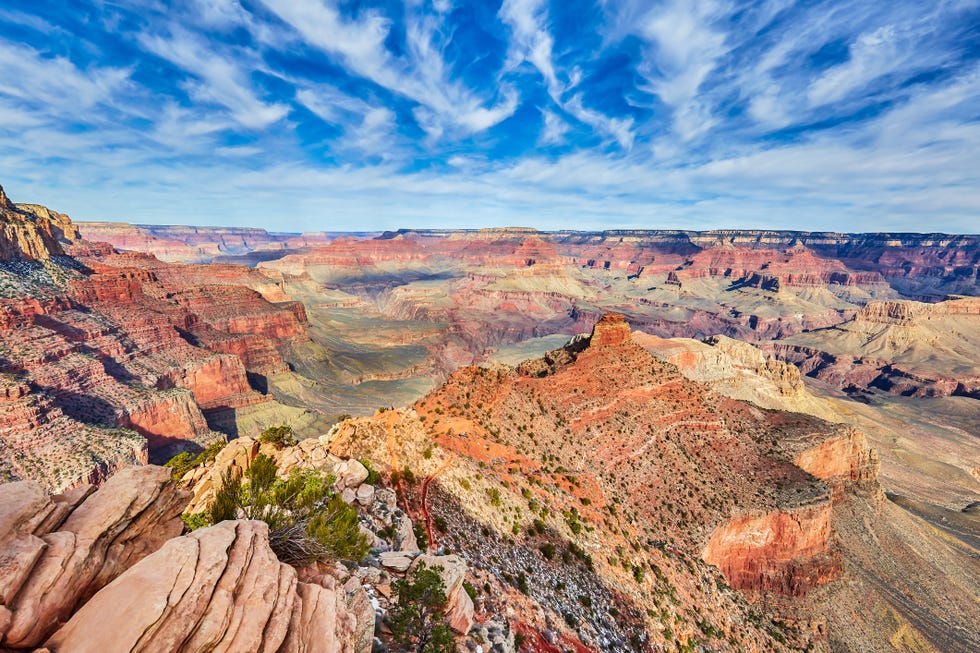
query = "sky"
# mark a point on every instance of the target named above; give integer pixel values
(306, 115)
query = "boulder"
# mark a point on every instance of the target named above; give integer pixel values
(396, 560)
(404, 537)
(350, 473)
(365, 494)
(57, 552)
(387, 496)
(218, 588)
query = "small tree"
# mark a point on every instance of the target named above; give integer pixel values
(280, 436)
(186, 461)
(418, 619)
(307, 521)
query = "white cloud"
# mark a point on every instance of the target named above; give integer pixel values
(220, 80)
(684, 49)
(532, 42)
(220, 13)
(147, 154)
(554, 129)
(871, 56)
(367, 128)
(618, 128)
(422, 76)
(56, 83)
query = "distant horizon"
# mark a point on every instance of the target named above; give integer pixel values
(836, 116)
(516, 228)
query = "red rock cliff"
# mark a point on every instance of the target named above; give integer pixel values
(787, 552)
(611, 330)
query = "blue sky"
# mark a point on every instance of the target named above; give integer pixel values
(323, 115)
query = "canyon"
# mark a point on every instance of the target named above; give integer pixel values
(107, 360)
(625, 440)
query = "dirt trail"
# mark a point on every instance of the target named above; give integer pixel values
(425, 498)
(390, 418)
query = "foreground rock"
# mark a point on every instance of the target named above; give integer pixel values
(219, 588)
(56, 552)
(452, 570)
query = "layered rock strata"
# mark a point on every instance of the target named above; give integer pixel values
(58, 551)
(219, 588)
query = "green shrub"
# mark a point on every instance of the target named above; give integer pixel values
(184, 462)
(418, 618)
(280, 436)
(180, 465)
(522, 583)
(307, 522)
(408, 475)
(494, 495)
(210, 453)
(196, 521)
(421, 535)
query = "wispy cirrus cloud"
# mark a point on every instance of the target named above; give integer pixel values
(216, 78)
(840, 114)
(56, 83)
(421, 75)
(532, 42)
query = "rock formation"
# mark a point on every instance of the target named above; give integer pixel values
(621, 448)
(628, 490)
(96, 570)
(452, 570)
(29, 235)
(901, 347)
(59, 551)
(219, 588)
(611, 330)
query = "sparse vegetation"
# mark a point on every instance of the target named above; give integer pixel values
(494, 495)
(307, 522)
(418, 617)
(184, 462)
(279, 436)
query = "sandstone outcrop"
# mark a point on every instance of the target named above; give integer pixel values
(844, 460)
(59, 551)
(216, 381)
(611, 330)
(180, 244)
(739, 370)
(618, 444)
(237, 456)
(219, 588)
(24, 234)
(787, 552)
